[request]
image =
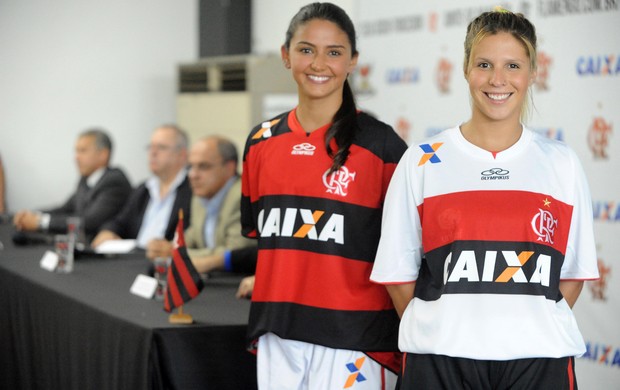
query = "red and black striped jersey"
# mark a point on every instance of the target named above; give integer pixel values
(318, 233)
(487, 239)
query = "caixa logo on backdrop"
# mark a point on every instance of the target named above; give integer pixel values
(434, 130)
(406, 75)
(606, 211)
(598, 137)
(602, 353)
(556, 133)
(598, 65)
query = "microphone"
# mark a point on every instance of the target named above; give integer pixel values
(29, 238)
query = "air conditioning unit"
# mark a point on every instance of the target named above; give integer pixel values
(229, 95)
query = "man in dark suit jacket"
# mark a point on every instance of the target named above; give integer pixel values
(100, 194)
(152, 209)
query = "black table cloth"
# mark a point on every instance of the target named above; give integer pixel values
(85, 330)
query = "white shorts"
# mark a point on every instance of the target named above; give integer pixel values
(290, 364)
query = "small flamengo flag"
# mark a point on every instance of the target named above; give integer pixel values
(183, 281)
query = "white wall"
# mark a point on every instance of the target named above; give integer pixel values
(66, 65)
(270, 19)
(71, 64)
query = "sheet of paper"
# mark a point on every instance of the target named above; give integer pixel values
(116, 246)
(144, 286)
(49, 261)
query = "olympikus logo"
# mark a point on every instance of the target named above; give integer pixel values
(495, 174)
(284, 223)
(304, 149)
(466, 267)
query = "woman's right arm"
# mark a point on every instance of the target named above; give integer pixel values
(401, 295)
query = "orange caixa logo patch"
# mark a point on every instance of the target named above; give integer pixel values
(430, 153)
(355, 370)
(265, 130)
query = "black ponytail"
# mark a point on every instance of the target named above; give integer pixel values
(343, 129)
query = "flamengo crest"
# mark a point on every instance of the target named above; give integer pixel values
(544, 225)
(338, 182)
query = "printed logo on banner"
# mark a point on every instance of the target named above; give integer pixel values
(462, 16)
(409, 75)
(403, 127)
(603, 354)
(444, 75)
(598, 288)
(548, 8)
(606, 211)
(433, 21)
(434, 130)
(601, 65)
(544, 62)
(361, 80)
(551, 133)
(598, 137)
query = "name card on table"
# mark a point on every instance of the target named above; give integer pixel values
(144, 286)
(49, 261)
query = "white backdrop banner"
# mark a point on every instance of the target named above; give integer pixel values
(410, 75)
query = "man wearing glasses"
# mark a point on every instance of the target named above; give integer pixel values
(152, 210)
(215, 225)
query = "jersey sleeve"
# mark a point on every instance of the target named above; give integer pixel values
(580, 261)
(393, 150)
(248, 225)
(399, 254)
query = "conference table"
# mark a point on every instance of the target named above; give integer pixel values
(85, 330)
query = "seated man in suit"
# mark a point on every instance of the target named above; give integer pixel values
(215, 211)
(153, 208)
(100, 194)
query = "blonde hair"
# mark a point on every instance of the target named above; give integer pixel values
(496, 21)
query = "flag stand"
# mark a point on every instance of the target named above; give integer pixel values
(180, 317)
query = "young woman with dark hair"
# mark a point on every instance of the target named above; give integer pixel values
(314, 181)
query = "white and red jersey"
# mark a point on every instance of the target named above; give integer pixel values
(487, 239)
(318, 234)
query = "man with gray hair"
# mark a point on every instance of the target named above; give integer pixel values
(100, 194)
(153, 208)
(215, 226)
